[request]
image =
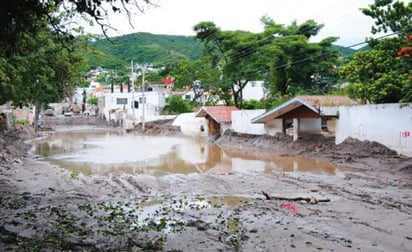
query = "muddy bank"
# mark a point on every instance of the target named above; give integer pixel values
(353, 152)
(46, 208)
(161, 127)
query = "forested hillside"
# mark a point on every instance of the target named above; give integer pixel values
(151, 48)
(145, 48)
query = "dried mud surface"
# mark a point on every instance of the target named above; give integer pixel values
(46, 208)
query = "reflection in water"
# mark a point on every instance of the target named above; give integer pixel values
(104, 153)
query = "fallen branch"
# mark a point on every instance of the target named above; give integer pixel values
(311, 200)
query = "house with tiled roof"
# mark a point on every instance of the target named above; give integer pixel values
(218, 118)
(304, 114)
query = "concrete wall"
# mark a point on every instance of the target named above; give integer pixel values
(154, 103)
(241, 122)
(224, 127)
(306, 125)
(253, 90)
(190, 125)
(310, 125)
(329, 110)
(388, 124)
(274, 126)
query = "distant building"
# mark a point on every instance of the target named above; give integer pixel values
(254, 90)
(133, 106)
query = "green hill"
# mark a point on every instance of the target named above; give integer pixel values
(149, 48)
(346, 52)
(159, 50)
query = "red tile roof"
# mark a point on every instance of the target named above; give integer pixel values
(327, 100)
(218, 113)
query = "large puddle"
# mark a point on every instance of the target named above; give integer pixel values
(113, 152)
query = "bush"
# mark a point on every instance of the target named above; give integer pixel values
(93, 100)
(22, 122)
(177, 105)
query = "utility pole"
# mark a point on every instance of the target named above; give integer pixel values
(132, 80)
(143, 67)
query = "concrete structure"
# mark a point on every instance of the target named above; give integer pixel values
(254, 90)
(241, 122)
(302, 115)
(129, 107)
(218, 118)
(388, 124)
(191, 125)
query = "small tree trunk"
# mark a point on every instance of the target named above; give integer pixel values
(36, 115)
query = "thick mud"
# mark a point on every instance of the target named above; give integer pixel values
(46, 208)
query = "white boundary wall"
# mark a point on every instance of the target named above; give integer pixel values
(190, 124)
(388, 124)
(241, 122)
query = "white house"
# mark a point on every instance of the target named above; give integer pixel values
(254, 90)
(130, 107)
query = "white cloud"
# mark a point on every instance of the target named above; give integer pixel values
(342, 18)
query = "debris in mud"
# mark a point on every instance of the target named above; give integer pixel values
(160, 127)
(311, 200)
(181, 213)
(290, 206)
(13, 144)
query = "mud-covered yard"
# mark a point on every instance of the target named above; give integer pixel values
(367, 208)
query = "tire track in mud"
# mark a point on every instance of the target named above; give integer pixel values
(126, 185)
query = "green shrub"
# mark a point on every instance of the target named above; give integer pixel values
(177, 105)
(22, 122)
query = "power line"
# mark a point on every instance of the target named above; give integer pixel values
(265, 70)
(246, 48)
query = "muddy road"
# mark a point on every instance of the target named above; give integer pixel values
(367, 208)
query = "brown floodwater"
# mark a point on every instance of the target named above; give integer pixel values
(102, 153)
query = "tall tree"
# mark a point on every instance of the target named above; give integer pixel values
(234, 54)
(382, 75)
(37, 32)
(390, 15)
(377, 75)
(21, 16)
(40, 72)
(295, 65)
(282, 56)
(199, 75)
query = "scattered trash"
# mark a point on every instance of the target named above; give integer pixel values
(290, 206)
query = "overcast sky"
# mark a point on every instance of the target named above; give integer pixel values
(342, 18)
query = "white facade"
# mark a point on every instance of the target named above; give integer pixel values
(191, 125)
(388, 124)
(253, 90)
(241, 122)
(123, 103)
(190, 95)
(274, 126)
(310, 125)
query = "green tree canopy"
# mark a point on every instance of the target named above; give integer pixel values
(390, 15)
(37, 59)
(199, 75)
(177, 105)
(295, 65)
(383, 74)
(281, 55)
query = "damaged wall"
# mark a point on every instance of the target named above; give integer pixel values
(388, 124)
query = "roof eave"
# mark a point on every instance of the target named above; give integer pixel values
(269, 114)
